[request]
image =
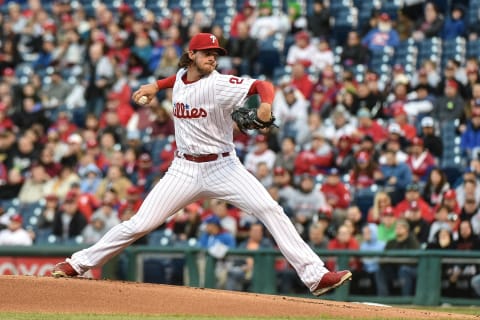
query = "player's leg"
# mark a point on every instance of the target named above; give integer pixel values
(174, 191)
(230, 181)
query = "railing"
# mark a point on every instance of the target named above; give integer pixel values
(428, 284)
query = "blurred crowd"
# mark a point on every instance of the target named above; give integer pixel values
(358, 161)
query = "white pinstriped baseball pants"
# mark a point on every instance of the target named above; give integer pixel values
(187, 181)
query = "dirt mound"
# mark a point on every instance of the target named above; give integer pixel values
(44, 294)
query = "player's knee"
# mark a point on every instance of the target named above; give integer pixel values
(270, 208)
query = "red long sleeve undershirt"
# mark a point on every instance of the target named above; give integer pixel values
(166, 82)
(263, 88)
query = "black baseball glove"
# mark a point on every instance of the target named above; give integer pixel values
(247, 119)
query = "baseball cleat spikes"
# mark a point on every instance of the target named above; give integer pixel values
(64, 270)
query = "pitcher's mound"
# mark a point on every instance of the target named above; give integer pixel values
(45, 294)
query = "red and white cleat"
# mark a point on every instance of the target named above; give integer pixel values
(64, 270)
(331, 280)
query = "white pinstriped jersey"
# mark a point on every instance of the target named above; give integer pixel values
(202, 112)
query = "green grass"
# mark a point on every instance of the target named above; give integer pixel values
(462, 310)
(60, 316)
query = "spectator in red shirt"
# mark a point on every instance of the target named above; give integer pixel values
(145, 172)
(450, 201)
(302, 51)
(114, 104)
(330, 86)
(118, 49)
(319, 102)
(163, 125)
(412, 193)
(301, 80)
(132, 201)
(400, 117)
(167, 155)
(47, 160)
(336, 193)
(368, 126)
(93, 148)
(5, 121)
(64, 126)
(246, 15)
(420, 160)
(316, 159)
(344, 154)
(86, 203)
(365, 171)
(343, 241)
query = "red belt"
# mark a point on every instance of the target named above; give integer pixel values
(203, 157)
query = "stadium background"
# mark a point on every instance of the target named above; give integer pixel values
(143, 30)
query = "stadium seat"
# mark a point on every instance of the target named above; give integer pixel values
(406, 54)
(338, 6)
(365, 9)
(473, 48)
(452, 172)
(391, 7)
(162, 238)
(45, 237)
(346, 20)
(363, 198)
(269, 56)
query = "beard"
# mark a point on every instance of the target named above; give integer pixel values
(384, 27)
(206, 68)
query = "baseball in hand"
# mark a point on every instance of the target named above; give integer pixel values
(142, 100)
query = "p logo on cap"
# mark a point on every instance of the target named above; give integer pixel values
(205, 41)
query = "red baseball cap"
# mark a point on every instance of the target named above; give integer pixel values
(452, 84)
(302, 35)
(8, 72)
(206, 41)
(363, 156)
(248, 4)
(450, 194)
(71, 196)
(17, 218)
(145, 157)
(66, 18)
(325, 212)
(384, 17)
(388, 211)
(125, 8)
(417, 141)
(133, 190)
(193, 207)
(279, 171)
